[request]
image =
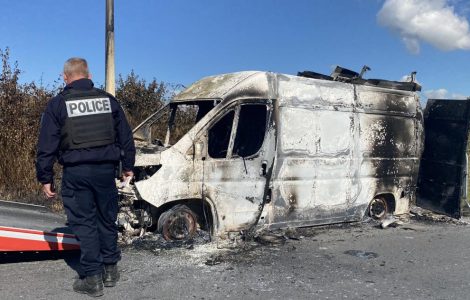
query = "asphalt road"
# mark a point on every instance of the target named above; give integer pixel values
(419, 260)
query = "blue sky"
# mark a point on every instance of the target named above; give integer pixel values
(180, 41)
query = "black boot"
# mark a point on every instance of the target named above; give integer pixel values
(111, 275)
(90, 285)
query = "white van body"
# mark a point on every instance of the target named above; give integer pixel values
(296, 152)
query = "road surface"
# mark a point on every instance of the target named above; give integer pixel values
(419, 260)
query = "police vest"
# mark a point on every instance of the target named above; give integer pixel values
(89, 121)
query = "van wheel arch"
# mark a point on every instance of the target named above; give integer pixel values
(202, 211)
(177, 223)
(381, 206)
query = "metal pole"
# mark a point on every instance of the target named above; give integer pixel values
(110, 73)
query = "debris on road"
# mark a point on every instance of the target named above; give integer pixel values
(391, 222)
(421, 214)
(362, 254)
(156, 242)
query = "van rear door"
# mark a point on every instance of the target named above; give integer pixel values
(442, 181)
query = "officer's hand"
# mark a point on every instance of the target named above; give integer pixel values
(127, 175)
(48, 191)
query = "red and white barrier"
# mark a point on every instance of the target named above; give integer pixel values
(18, 239)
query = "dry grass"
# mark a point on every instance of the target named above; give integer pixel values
(21, 106)
(20, 110)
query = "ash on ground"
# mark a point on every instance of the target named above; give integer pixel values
(153, 241)
(245, 247)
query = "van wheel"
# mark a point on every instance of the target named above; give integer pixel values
(378, 208)
(178, 223)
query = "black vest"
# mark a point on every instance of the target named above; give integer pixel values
(89, 121)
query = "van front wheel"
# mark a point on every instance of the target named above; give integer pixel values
(178, 223)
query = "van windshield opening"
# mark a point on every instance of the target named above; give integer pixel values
(170, 123)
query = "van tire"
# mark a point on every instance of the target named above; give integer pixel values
(179, 223)
(378, 208)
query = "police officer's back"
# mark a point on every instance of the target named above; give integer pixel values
(87, 131)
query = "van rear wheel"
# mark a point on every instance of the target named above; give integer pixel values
(178, 223)
(378, 208)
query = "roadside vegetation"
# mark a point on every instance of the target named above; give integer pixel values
(21, 106)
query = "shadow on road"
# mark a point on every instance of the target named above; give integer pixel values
(18, 257)
(71, 258)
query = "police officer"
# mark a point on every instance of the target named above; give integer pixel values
(86, 130)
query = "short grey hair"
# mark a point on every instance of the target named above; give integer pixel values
(76, 66)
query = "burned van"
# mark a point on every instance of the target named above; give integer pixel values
(271, 150)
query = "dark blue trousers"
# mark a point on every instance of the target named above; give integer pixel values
(90, 200)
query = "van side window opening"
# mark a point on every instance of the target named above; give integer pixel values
(219, 136)
(251, 130)
(185, 118)
(204, 108)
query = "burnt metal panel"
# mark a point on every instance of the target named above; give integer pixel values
(442, 169)
(216, 87)
(331, 148)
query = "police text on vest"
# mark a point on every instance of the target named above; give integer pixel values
(85, 107)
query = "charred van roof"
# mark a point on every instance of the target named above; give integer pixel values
(252, 83)
(213, 87)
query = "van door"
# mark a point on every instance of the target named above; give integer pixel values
(240, 153)
(442, 181)
(314, 182)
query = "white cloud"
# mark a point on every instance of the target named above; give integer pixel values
(443, 94)
(436, 94)
(458, 96)
(432, 21)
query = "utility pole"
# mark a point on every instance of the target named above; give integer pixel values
(110, 72)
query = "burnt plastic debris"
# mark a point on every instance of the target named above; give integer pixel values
(362, 254)
(152, 241)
